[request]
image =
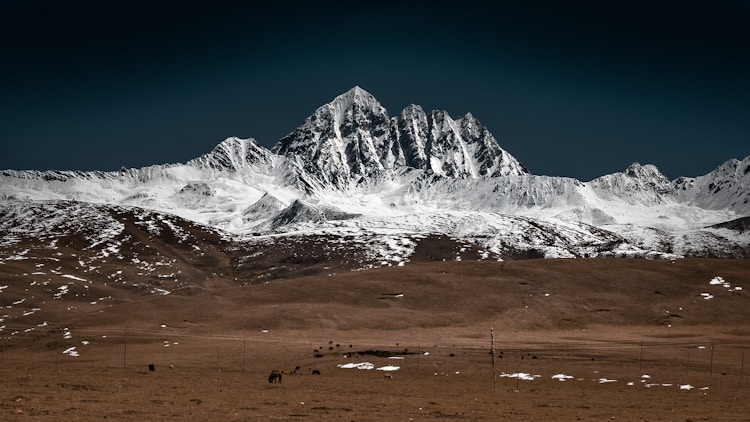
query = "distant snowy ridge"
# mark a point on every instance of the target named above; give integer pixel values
(350, 165)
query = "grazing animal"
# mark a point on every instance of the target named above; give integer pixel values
(388, 376)
(315, 372)
(274, 377)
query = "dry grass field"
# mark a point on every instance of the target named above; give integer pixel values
(594, 340)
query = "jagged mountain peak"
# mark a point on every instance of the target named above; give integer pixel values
(341, 141)
(643, 184)
(413, 110)
(646, 172)
(734, 168)
(356, 95)
(352, 138)
(468, 116)
(356, 104)
(351, 105)
(233, 154)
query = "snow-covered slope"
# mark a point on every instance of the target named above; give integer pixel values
(724, 188)
(351, 168)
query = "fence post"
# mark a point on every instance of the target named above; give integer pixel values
(742, 365)
(419, 352)
(518, 369)
(641, 367)
(492, 353)
(125, 351)
(507, 370)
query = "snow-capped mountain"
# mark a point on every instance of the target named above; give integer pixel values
(352, 171)
(352, 139)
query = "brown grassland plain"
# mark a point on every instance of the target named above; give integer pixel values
(635, 339)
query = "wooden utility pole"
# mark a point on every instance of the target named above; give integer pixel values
(244, 350)
(492, 353)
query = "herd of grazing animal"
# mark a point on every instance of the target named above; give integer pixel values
(275, 375)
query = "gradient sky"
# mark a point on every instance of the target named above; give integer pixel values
(570, 90)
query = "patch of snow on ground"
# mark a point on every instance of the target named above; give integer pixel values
(521, 375)
(716, 280)
(719, 281)
(363, 365)
(180, 234)
(62, 290)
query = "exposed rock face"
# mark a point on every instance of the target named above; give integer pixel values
(353, 137)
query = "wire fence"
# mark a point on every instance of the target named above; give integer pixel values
(134, 348)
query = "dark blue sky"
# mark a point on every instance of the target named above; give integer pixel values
(576, 90)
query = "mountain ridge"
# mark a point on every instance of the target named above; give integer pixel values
(352, 166)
